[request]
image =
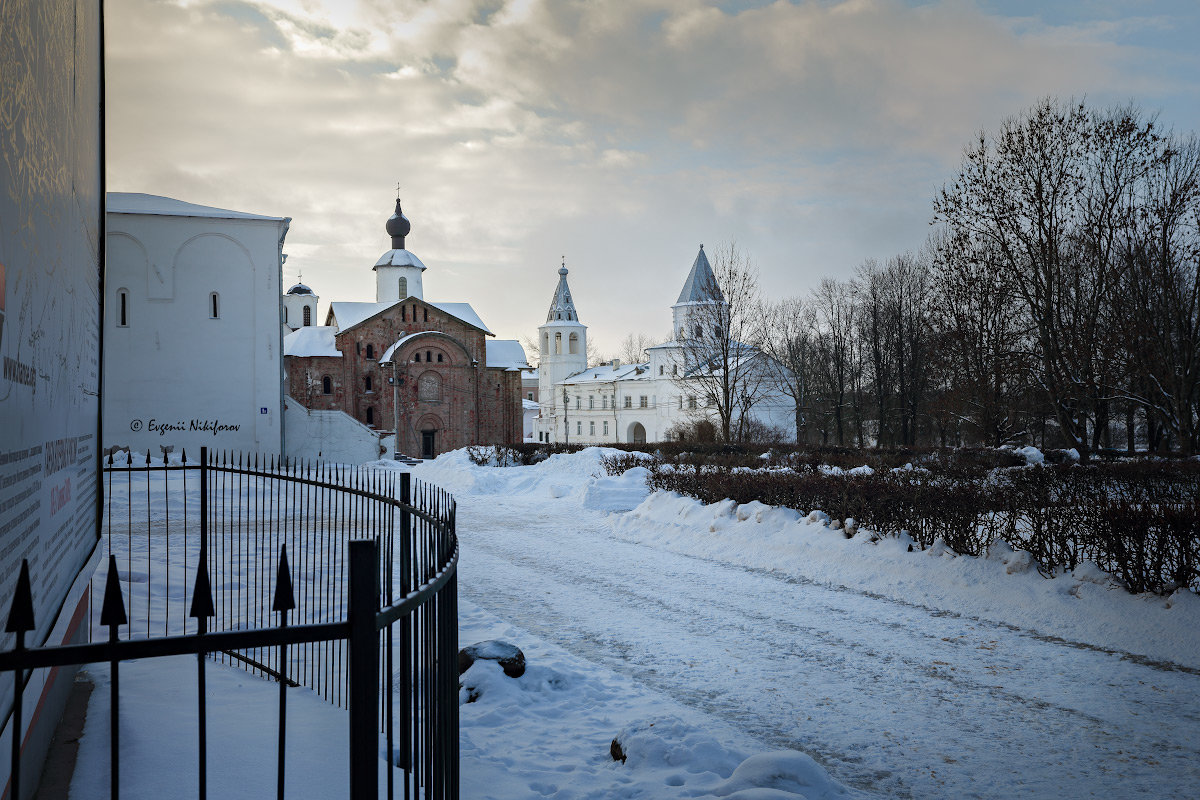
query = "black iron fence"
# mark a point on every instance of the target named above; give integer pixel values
(334, 578)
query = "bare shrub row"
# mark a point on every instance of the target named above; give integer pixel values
(1139, 522)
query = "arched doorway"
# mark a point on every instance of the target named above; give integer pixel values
(637, 433)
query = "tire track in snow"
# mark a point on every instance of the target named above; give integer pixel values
(903, 700)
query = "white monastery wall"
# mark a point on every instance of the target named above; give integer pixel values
(179, 372)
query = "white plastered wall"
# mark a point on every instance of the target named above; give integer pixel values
(174, 375)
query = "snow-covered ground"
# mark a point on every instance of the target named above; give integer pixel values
(727, 647)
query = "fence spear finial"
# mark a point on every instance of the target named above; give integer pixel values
(112, 611)
(202, 598)
(20, 614)
(285, 599)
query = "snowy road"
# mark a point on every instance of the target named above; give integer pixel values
(896, 700)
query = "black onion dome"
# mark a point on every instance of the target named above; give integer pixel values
(299, 288)
(398, 227)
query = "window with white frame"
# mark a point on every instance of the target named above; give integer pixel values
(606, 428)
(643, 402)
(579, 428)
(591, 402)
(591, 429)
(691, 402)
(629, 401)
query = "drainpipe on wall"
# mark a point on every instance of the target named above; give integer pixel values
(395, 411)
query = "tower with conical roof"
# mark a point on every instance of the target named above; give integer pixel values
(562, 345)
(398, 271)
(700, 302)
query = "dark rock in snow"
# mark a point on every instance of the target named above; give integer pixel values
(617, 752)
(509, 656)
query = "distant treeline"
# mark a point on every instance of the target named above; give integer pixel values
(1057, 302)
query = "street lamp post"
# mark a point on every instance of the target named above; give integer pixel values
(566, 422)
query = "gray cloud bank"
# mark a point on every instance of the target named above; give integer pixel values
(620, 134)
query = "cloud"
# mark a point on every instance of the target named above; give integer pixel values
(619, 133)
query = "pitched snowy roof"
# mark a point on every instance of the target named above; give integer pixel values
(562, 307)
(506, 353)
(606, 373)
(701, 285)
(464, 312)
(156, 205)
(399, 258)
(347, 314)
(311, 340)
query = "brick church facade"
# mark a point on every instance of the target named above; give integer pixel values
(430, 371)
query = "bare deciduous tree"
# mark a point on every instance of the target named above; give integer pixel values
(722, 365)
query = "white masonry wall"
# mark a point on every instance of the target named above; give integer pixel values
(174, 375)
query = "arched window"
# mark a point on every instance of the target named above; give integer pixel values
(417, 356)
(674, 369)
(370, 415)
(370, 351)
(429, 355)
(403, 288)
(439, 358)
(214, 305)
(429, 387)
(545, 343)
(425, 314)
(573, 343)
(285, 314)
(123, 308)
(367, 382)
(558, 344)
(307, 316)
(327, 385)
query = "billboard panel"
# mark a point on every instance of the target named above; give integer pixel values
(50, 245)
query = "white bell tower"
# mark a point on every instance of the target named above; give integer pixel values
(562, 347)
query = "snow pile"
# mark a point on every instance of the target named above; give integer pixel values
(1033, 456)
(562, 728)
(561, 476)
(623, 492)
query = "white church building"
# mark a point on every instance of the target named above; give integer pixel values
(641, 402)
(192, 345)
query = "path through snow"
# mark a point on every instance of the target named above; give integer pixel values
(895, 698)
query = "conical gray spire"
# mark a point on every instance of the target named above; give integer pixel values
(701, 285)
(562, 307)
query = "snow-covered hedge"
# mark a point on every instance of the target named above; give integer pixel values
(1139, 522)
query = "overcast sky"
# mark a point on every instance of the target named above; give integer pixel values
(620, 134)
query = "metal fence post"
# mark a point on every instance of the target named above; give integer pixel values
(364, 669)
(204, 505)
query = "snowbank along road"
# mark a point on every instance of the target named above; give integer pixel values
(896, 695)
